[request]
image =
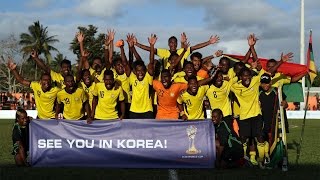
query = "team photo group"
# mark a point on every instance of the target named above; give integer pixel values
(242, 99)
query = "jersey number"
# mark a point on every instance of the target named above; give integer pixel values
(101, 94)
(215, 94)
(67, 100)
(188, 102)
(135, 83)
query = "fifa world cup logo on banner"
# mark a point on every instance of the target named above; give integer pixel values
(191, 132)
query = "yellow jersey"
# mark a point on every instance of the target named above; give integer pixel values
(45, 101)
(125, 84)
(219, 97)
(107, 101)
(193, 105)
(89, 91)
(279, 78)
(141, 98)
(96, 75)
(165, 54)
(248, 97)
(73, 103)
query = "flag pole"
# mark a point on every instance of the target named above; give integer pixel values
(302, 54)
(303, 125)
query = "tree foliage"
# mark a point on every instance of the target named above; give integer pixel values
(92, 42)
(38, 39)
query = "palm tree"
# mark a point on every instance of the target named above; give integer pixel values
(38, 39)
(55, 64)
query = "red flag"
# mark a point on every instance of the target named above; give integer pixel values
(288, 69)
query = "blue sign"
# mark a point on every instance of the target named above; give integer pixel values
(128, 143)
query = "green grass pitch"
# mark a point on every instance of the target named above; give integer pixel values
(308, 167)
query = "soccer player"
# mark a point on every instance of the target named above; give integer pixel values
(97, 69)
(140, 82)
(44, 94)
(188, 70)
(167, 93)
(218, 95)
(229, 147)
(65, 69)
(74, 101)
(190, 102)
(247, 93)
(106, 97)
(207, 65)
(269, 101)
(172, 43)
(20, 138)
(280, 79)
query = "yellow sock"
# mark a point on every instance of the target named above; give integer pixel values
(261, 151)
(252, 154)
(266, 149)
(245, 148)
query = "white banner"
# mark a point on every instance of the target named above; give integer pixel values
(10, 114)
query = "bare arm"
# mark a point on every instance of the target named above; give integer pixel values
(183, 39)
(80, 38)
(12, 66)
(181, 110)
(122, 109)
(297, 78)
(284, 58)
(136, 54)
(22, 152)
(106, 52)
(39, 62)
(111, 49)
(216, 54)
(207, 80)
(212, 40)
(125, 61)
(58, 107)
(94, 106)
(87, 109)
(152, 40)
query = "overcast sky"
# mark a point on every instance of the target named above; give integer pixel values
(275, 22)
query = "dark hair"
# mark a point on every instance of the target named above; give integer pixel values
(116, 60)
(174, 38)
(224, 59)
(196, 54)
(97, 57)
(216, 76)
(192, 77)
(65, 61)
(19, 112)
(217, 110)
(45, 74)
(271, 61)
(239, 64)
(108, 72)
(165, 71)
(186, 63)
(83, 71)
(139, 63)
(68, 75)
(243, 70)
(173, 54)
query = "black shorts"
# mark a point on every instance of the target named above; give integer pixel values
(146, 115)
(228, 120)
(251, 127)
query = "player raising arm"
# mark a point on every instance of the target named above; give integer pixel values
(44, 94)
